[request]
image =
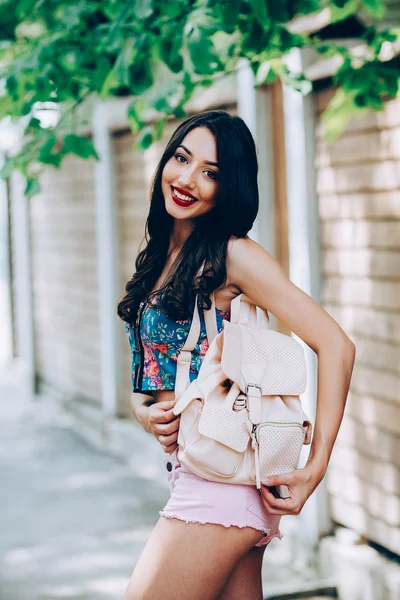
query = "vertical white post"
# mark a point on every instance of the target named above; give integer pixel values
(5, 278)
(107, 262)
(254, 109)
(299, 114)
(23, 278)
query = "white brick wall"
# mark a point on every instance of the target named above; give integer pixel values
(65, 285)
(358, 183)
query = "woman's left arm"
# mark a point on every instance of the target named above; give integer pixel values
(260, 277)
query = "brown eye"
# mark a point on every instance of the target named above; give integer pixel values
(211, 174)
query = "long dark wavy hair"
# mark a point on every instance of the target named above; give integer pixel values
(233, 215)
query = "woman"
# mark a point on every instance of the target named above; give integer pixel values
(210, 538)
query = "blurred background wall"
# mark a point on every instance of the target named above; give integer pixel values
(358, 185)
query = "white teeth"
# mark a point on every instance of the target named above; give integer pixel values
(183, 197)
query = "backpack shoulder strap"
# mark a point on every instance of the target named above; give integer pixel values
(185, 355)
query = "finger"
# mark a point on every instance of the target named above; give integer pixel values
(167, 440)
(160, 416)
(280, 504)
(170, 449)
(166, 416)
(273, 511)
(272, 508)
(168, 428)
(283, 479)
(166, 404)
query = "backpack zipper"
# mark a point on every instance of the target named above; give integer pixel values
(255, 435)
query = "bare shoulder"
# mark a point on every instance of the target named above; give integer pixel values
(246, 257)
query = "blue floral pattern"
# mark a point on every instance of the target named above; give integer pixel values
(162, 339)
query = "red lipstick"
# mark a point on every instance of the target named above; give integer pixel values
(180, 201)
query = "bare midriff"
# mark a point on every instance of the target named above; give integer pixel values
(163, 395)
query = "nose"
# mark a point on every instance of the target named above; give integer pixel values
(186, 178)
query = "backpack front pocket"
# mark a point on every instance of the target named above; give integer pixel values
(279, 447)
(224, 438)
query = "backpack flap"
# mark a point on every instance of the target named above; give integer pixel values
(226, 426)
(279, 356)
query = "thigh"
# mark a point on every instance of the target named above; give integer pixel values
(188, 561)
(245, 581)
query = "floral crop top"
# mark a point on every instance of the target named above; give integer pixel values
(155, 350)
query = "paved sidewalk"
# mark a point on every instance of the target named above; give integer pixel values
(73, 520)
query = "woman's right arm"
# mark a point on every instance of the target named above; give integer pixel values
(158, 419)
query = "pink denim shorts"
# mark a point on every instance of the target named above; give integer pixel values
(197, 500)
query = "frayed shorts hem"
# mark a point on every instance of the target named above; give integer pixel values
(268, 536)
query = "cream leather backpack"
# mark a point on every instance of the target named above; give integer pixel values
(241, 419)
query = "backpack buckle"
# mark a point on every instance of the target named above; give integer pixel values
(253, 392)
(253, 386)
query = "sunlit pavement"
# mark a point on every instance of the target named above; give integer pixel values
(73, 520)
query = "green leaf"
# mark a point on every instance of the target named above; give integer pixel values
(47, 155)
(337, 114)
(170, 48)
(32, 188)
(171, 9)
(143, 9)
(265, 74)
(135, 115)
(368, 100)
(179, 112)
(141, 77)
(376, 8)
(260, 11)
(202, 52)
(12, 86)
(81, 146)
(145, 138)
(6, 106)
(119, 75)
(101, 72)
(230, 14)
(342, 9)
(6, 169)
(306, 7)
(111, 9)
(161, 105)
(25, 8)
(159, 129)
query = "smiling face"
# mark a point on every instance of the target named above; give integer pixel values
(190, 179)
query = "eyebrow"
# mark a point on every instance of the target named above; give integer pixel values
(206, 162)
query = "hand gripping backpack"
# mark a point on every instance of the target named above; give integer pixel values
(241, 419)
